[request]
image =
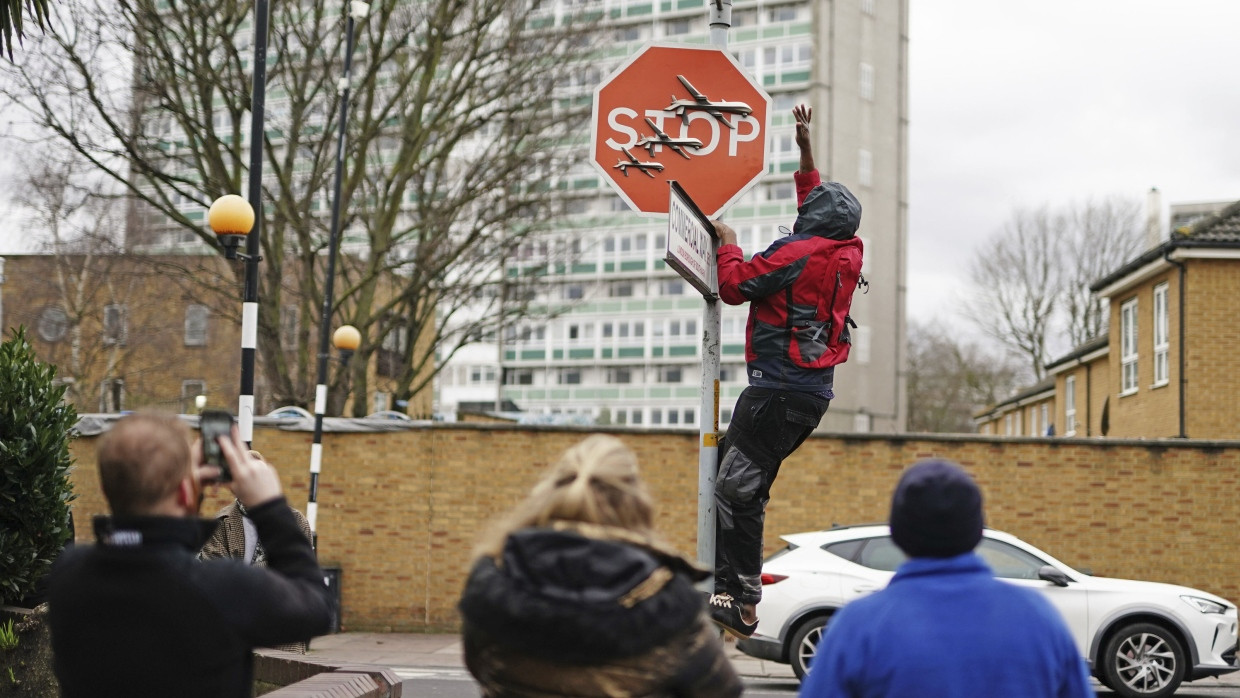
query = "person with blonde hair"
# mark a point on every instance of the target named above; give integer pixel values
(571, 594)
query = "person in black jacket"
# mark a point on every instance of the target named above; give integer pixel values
(138, 614)
(571, 595)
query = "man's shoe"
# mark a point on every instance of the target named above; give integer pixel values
(726, 612)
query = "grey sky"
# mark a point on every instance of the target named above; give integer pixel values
(1016, 104)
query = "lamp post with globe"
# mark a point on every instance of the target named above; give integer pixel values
(232, 219)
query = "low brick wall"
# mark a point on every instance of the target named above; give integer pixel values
(399, 511)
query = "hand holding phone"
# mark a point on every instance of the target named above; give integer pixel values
(214, 425)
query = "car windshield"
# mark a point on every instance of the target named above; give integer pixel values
(881, 553)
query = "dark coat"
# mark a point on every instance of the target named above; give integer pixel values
(139, 614)
(590, 611)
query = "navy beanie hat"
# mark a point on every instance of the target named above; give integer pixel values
(936, 511)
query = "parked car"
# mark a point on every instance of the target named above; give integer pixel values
(1142, 639)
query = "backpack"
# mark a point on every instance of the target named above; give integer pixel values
(826, 340)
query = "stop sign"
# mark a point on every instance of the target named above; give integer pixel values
(684, 113)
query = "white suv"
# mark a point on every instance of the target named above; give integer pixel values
(1142, 639)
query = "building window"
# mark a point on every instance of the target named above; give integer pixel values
(656, 417)
(112, 395)
(621, 289)
(1016, 423)
(1161, 342)
(669, 374)
(570, 376)
(519, 376)
(574, 292)
(867, 6)
(53, 323)
(196, 326)
(1128, 347)
(1033, 421)
(636, 417)
(1007, 424)
(380, 402)
(867, 81)
(390, 359)
(115, 324)
(865, 168)
(621, 375)
(1046, 425)
(189, 390)
(1069, 406)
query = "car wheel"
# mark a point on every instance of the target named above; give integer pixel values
(805, 644)
(1143, 660)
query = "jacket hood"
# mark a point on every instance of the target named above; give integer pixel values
(829, 211)
(566, 596)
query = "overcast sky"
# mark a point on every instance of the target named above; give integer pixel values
(1019, 104)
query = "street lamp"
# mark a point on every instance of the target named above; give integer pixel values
(346, 339)
(232, 219)
(357, 11)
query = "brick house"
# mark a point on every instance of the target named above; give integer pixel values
(1168, 365)
(128, 332)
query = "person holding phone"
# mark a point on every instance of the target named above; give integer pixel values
(138, 614)
(236, 536)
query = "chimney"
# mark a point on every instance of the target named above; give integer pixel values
(1153, 218)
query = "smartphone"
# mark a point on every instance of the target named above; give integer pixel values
(212, 425)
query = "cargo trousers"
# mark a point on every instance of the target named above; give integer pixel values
(767, 425)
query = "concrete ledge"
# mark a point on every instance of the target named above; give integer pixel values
(304, 677)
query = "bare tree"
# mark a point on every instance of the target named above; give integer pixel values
(1103, 234)
(1030, 281)
(451, 158)
(80, 223)
(950, 379)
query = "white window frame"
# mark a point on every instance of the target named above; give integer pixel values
(1128, 347)
(1162, 343)
(865, 168)
(1033, 420)
(1046, 423)
(1069, 405)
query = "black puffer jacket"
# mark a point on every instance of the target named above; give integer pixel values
(582, 610)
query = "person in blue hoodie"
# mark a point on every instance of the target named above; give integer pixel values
(945, 627)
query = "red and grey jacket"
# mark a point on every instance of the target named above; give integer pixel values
(799, 290)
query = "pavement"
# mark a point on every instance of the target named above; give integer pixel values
(413, 650)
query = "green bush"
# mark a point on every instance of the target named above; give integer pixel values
(35, 426)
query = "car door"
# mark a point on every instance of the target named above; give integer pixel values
(1020, 568)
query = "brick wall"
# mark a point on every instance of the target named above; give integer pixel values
(400, 511)
(1213, 334)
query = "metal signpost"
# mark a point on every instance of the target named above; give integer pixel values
(691, 243)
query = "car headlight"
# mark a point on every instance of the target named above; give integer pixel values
(1204, 605)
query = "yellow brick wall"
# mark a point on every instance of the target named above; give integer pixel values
(399, 512)
(1213, 340)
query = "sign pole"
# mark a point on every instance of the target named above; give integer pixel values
(720, 14)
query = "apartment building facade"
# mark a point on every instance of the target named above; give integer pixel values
(622, 344)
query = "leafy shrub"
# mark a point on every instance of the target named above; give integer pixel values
(35, 492)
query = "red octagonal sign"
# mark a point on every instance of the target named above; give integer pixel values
(684, 113)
